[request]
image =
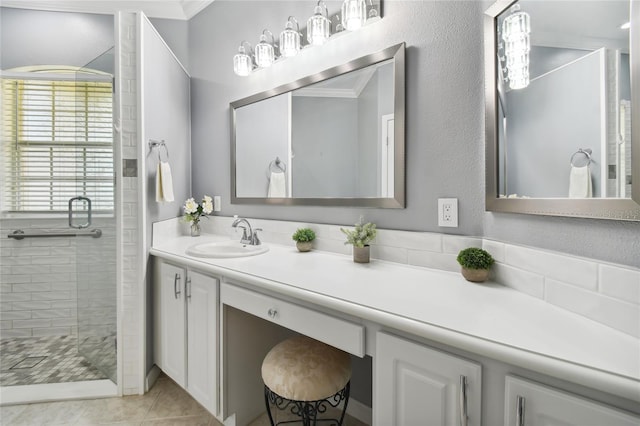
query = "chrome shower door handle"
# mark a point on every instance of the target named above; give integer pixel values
(464, 416)
(71, 203)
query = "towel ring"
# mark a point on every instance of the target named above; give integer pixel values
(586, 152)
(277, 166)
(157, 144)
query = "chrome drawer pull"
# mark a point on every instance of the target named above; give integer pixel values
(520, 411)
(272, 312)
(464, 417)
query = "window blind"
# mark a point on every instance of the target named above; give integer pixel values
(57, 143)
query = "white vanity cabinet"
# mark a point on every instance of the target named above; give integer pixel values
(531, 404)
(186, 324)
(417, 385)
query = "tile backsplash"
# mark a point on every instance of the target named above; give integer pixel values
(603, 292)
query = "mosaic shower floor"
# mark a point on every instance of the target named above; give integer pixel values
(34, 360)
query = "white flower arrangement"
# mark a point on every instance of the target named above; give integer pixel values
(194, 211)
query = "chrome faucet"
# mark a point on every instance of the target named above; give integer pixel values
(252, 237)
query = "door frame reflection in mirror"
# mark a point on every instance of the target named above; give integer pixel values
(397, 53)
(597, 208)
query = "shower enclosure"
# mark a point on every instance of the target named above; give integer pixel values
(58, 226)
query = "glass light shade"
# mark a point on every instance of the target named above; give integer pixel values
(518, 78)
(354, 14)
(242, 63)
(515, 32)
(516, 23)
(318, 28)
(289, 41)
(264, 53)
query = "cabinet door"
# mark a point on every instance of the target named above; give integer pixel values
(202, 320)
(529, 404)
(172, 321)
(417, 385)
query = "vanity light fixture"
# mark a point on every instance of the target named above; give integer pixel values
(243, 61)
(319, 25)
(265, 52)
(515, 32)
(290, 38)
(354, 14)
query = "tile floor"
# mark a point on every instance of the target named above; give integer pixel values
(165, 404)
(51, 359)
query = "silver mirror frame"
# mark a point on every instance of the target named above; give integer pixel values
(397, 53)
(596, 208)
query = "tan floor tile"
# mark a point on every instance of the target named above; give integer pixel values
(206, 420)
(8, 413)
(173, 401)
(113, 410)
(49, 413)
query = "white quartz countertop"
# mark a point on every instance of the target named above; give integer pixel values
(487, 319)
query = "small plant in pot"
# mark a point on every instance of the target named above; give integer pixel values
(303, 238)
(475, 263)
(362, 235)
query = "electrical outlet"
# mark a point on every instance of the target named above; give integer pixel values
(448, 212)
(217, 203)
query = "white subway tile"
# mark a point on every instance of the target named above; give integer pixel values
(15, 297)
(31, 323)
(519, 279)
(64, 322)
(49, 295)
(495, 248)
(5, 325)
(18, 288)
(425, 241)
(20, 332)
(452, 244)
(50, 313)
(429, 259)
(15, 315)
(332, 245)
(390, 254)
(564, 268)
(51, 331)
(16, 279)
(31, 305)
(621, 283)
(603, 309)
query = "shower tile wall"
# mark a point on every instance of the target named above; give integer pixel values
(38, 279)
(39, 290)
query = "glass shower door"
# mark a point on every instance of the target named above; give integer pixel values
(96, 257)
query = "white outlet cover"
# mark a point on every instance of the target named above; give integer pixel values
(448, 212)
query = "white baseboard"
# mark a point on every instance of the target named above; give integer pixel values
(11, 395)
(358, 410)
(151, 378)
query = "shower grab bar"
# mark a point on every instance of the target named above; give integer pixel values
(19, 234)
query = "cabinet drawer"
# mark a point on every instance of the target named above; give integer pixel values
(336, 332)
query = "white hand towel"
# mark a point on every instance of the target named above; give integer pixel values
(277, 186)
(164, 183)
(580, 182)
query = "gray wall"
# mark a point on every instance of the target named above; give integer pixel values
(444, 123)
(31, 37)
(176, 34)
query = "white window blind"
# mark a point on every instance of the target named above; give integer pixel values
(57, 143)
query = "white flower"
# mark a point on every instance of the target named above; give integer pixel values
(207, 199)
(207, 206)
(190, 206)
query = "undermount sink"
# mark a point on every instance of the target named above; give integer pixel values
(225, 249)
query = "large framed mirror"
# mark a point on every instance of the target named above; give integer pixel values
(335, 138)
(563, 108)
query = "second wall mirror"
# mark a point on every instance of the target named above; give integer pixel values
(335, 138)
(562, 118)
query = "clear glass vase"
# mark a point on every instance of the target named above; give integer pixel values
(195, 228)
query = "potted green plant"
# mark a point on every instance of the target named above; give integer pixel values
(360, 237)
(303, 238)
(475, 263)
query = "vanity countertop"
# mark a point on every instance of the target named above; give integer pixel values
(487, 319)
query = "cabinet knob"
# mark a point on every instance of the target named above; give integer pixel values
(272, 312)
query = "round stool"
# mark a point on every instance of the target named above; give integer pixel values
(306, 377)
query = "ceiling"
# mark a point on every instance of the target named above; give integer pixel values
(168, 9)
